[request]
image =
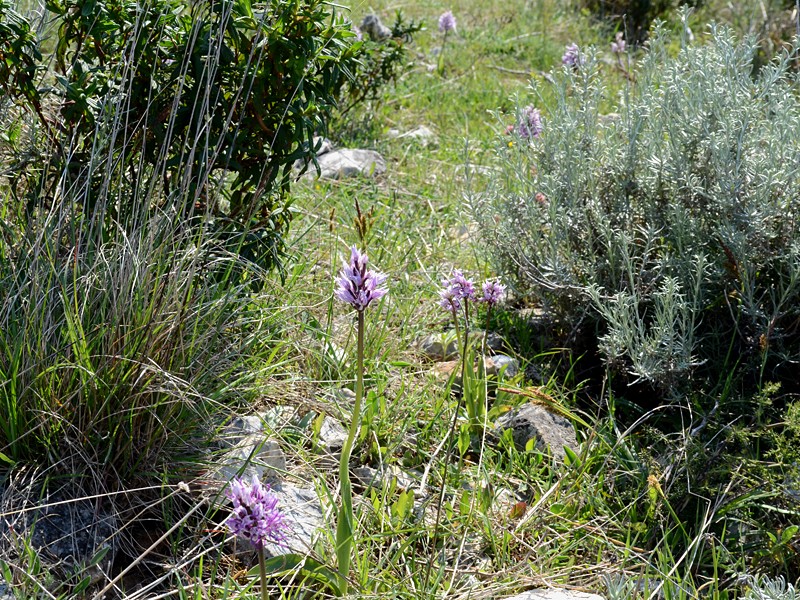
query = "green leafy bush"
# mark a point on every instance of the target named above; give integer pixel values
(199, 108)
(665, 231)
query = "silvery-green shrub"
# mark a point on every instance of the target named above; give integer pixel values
(662, 220)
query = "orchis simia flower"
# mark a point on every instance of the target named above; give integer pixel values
(256, 518)
(357, 286)
(492, 293)
(447, 23)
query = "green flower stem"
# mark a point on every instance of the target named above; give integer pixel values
(262, 570)
(486, 330)
(344, 526)
(441, 54)
(466, 344)
(450, 437)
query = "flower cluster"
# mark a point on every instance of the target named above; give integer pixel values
(256, 516)
(530, 123)
(493, 292)
(572, 56)
(447, 22)
(458, 289)
(618, 46)
(357, 285)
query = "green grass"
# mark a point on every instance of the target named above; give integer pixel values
(510, 519)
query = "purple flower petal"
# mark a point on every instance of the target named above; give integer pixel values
(357, 285)
(255, 516)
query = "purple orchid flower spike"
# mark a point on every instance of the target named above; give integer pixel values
(572, 56)
(356, 284)
(447, 22)
(462, 287)
(256, 516)
(449, 300)
(492, 293)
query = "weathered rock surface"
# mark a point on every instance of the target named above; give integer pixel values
(348, 162)
(375, 29)
(323, 145)
(370, 477)
(421, 135)
(304, 514)
(439, 347)
(501, 364)
(554, 594)
(63, 531)
(249, 452)
(332, 436)
(534, 422)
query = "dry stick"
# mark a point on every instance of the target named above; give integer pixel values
(152, 547)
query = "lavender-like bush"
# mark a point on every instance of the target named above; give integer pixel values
(357, 286)
(670, 228)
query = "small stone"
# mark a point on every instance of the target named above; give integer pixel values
(323, 145)
(445, 369)
(421, 135)
(304, 515)
(500, 364)
(375, 29)
(534, 422)
(439, 347)
(332, 436)
(495, 341)
(240, 427)
(348, 162)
